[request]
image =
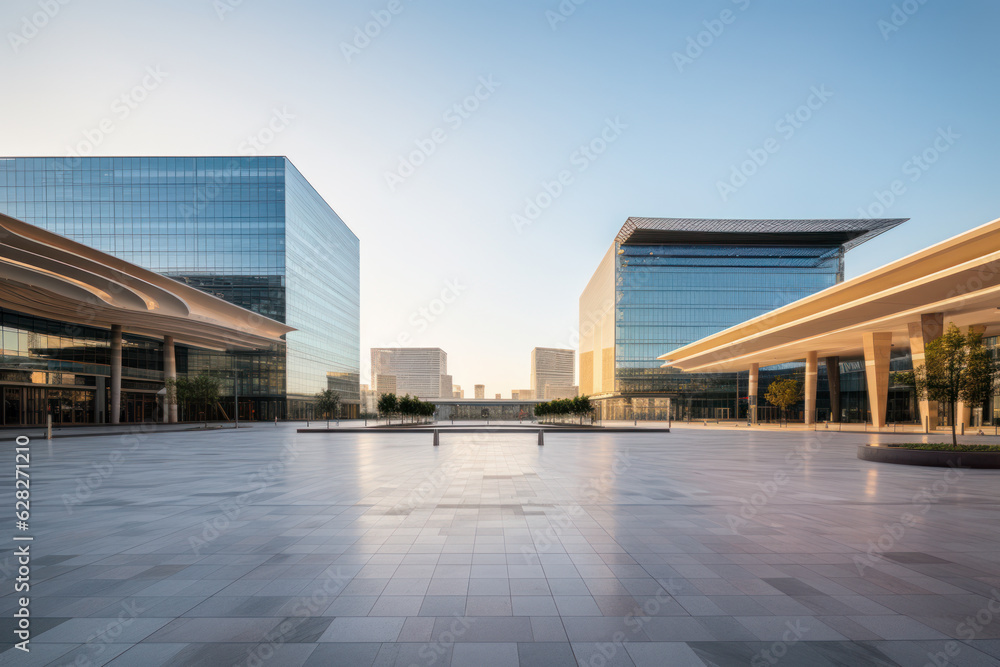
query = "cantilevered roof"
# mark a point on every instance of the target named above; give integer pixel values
(51, 276)
(959, 278)
(690, 231)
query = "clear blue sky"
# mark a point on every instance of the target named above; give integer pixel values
(886, 94)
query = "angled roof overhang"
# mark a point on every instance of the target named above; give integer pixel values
(47, 275)
(959, 277)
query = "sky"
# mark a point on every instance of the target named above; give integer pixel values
(486, 154)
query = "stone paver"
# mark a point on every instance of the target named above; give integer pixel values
(702, 546)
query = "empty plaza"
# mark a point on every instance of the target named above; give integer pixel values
(700, 546)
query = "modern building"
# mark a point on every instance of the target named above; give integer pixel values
(499, 397)
(865, 330)
(369, 400)
(249, 230)
(87, 337)
(417, 371)
(552, 367)
(457, 391)
(522, 394)
(667, 282)
(496, 409)
(555, 393)
(480, 390)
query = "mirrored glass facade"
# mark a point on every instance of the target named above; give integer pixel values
(667, 296)
(250, 230)
(665, 283)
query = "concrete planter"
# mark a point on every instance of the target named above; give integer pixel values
(918, 457)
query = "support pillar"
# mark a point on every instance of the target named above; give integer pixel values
(101, 400)
(170, 373)
(116, 374)
(929, 327)
(812, 371)
(878, 346)
(833, 379)
(752, 393)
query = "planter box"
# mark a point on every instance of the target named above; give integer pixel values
(918, 457)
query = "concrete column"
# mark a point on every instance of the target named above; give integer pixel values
(752, 392)
(929, 327)
(877, 345)
(812, 370)
(963, 412)
(116, 374)
(170, 373)
(101, 401)
(833, 378)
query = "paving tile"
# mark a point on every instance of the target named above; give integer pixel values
(363, 630)
(485, 655)
(657, 654)
(343, 654)
(546, 654)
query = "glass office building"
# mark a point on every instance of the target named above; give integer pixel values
(667, 282)
(250, 230)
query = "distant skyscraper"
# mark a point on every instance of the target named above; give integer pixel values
(417, 371)
(457, 391)
(552, 367)
(480, 391)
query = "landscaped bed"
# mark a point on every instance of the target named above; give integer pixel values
(944, 447)
(933, 454)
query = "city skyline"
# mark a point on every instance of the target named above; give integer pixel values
(776, 111)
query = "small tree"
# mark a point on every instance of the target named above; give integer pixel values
(328, 403)
(957, 367)
(388, 404)
(203, 389)
(784, 393)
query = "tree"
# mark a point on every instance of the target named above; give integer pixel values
(328, 403)
(388, 404)
(957, 367)
(203, 389)
(578, 406)
(784, 393)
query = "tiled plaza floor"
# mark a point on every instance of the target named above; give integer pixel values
(265, 547)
